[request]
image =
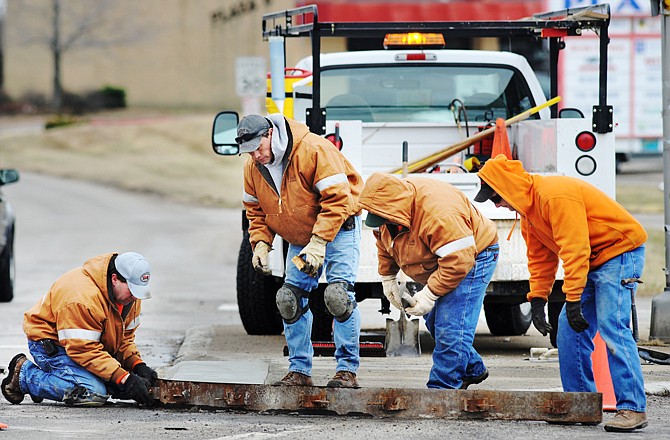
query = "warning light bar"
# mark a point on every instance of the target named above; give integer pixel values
(414, 39)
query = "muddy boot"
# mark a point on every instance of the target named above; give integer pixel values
(343, 379)
(80, 396)
(11, 388)
(467, 381)
(295, 379)
(626, 421)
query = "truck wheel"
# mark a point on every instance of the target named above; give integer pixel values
(554, 309)
(7, 270)
(256, 296)
(322, 324)
(507, 319)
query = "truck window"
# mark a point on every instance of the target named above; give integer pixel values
(420, 93)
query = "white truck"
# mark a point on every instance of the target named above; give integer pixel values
(371, 102)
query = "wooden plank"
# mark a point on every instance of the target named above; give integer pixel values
(403, 403)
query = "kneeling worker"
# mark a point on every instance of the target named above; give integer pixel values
(81, 335)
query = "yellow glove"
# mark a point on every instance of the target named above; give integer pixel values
(260, 258)
(391, 290)
(421, 303)
(313, 255)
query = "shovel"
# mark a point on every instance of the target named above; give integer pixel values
(402, 336)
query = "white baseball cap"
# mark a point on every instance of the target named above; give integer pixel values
(137, 272)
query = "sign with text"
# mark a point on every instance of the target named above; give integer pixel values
(250, 76)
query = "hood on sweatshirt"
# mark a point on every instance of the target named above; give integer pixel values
(389, 197)
(510, 181)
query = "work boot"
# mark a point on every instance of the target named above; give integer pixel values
(626, 421)
(467, 381)
(295, 379)
(11, 388)
(343, 379)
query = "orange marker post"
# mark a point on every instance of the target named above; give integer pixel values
(601, 374)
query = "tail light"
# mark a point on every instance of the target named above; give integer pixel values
(585, 164)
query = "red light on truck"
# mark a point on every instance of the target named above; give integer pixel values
(585, 141)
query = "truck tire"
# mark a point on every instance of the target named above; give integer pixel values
(322, 324)
(256, 296)
(505, 319)
(7, 269)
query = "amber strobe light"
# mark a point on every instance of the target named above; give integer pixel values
(414, 39)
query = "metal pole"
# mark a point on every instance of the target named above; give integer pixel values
(665, 65)
(660, 305)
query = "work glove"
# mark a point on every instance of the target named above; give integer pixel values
(260, 258)
(136, 388)
(421, 303)
(392, 290)
(539, 317)
(146, 372)
(573, 310)
(313, 254)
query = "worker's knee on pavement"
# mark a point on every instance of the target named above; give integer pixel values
(289, 303)
(338, 302)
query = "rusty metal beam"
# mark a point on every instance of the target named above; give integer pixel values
(386, 402)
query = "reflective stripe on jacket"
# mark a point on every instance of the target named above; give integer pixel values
(442, 231)
(318, 191)
(79, 313)
(563, 217)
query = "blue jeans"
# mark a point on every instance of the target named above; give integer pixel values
(452, 323)
(341, 264)
(55, 377)
(606, 305)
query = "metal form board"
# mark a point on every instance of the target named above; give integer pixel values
(402, 403)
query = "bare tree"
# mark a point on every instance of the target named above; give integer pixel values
(79, 24)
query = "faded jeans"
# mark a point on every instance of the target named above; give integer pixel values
(606, 305)
(452, 323)
(56, 377)
(341, 265)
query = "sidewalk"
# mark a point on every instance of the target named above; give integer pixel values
(226, 354)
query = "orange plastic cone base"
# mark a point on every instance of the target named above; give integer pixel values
(601, 374)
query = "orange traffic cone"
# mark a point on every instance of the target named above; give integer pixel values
(601, 374)
(500, 140)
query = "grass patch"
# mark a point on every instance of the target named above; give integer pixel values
(640, 199)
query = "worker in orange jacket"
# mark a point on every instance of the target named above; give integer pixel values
(601, 247)
(81, 336)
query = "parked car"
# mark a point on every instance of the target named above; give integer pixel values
(7, 238)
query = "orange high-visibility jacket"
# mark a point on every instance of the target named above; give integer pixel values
(79, 313)
(318, 191)
(563, 217)
(444, 231)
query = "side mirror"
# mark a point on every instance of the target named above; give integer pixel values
(8, 176)
(224, 133)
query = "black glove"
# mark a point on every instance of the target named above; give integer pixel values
(136, 388)
(575, 318)
(539, 318)
(146, 372)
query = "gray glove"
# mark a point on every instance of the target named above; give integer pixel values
(573, 310)
(539, 318)
(260, 258)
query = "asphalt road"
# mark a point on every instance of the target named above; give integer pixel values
(193, 252)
